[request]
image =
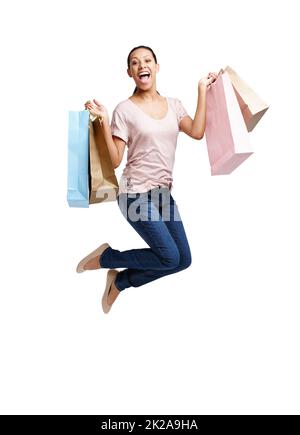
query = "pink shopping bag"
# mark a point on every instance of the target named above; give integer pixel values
(226, 134)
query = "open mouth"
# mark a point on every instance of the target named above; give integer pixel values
(144, 77)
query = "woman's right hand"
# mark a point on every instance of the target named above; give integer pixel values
(97, 109)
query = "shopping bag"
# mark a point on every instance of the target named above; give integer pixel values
(251, 105)
(78, 159)
(103, 182)
(226, 133)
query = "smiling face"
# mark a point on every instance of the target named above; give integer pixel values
(143, 68)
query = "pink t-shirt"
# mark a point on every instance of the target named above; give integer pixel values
(151, 144)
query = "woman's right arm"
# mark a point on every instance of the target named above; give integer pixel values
(115, 145)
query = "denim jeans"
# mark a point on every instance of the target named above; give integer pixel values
(155, 217)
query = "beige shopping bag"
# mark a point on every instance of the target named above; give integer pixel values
(251, 105)
(103, 182)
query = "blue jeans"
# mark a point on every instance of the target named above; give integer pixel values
(155, 217)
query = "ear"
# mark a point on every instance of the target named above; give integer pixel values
(157, 67)
(128, 72)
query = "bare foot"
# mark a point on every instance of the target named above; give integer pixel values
(92, 264)
(113, 293)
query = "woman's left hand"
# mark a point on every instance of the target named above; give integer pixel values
(214, 75)
(208, 80)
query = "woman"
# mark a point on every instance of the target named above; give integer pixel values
(149, 125)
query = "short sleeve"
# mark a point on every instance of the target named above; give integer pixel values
(119, 126)
(180, 110)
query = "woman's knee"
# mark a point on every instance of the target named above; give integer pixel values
(178, 260)
(171, 260)
(185, 260)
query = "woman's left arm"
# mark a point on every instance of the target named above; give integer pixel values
(195, 128)
(198, 126)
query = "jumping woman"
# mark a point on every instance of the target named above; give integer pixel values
(149, 125)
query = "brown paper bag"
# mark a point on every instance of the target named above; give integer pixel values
(103, 182)
(251, 105)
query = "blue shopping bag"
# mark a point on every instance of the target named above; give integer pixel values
(78, 159)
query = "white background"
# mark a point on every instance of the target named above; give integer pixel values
(219, 337)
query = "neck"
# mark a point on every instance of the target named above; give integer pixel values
(149, 95)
